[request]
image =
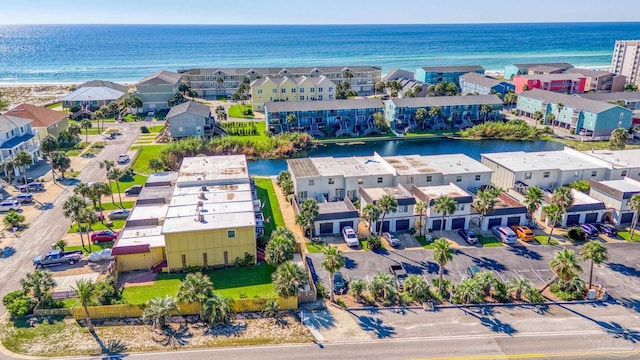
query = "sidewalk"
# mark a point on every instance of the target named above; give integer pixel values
(289, 216)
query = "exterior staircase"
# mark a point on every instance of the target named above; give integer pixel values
(345, 130)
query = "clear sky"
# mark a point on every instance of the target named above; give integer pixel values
(314, 11)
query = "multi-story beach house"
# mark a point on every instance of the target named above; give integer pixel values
(559, 83)
(211, 83)
(17, 135)
(462, 215)
(442, 111)
(402, 219)
(480, 84)
(192, 119)
(600, 81)
(339, 117)
(43, 121)
(536, 68)
(156, 90)
(582, 116)
(626, 60)
(584, 210)
(631, 99)
(616, 195)
(291, 89)
(437, 74)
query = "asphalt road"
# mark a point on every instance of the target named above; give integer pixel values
(51, 225)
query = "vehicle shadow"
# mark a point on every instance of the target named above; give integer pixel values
(349, 263)
(624, 269)
(525, 252)
(485, 262)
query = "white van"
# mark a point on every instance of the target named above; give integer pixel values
(9, 205)
(505, 234)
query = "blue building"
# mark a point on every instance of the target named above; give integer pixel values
(437, 74)
(536, 68)
(457, 111)
(471, 83)
(579, 115)
(321, 118)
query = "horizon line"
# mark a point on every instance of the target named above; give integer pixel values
(347, 24)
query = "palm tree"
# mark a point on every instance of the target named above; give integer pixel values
(417, 287)
(487, 281)
(356, 287)
(196, 287)
(48, 145)
(485, 109)
(158, 310)
(370, 214)
(23, 159)
(442, 254)
(61, 244)
(74, 131)
(597, 253)
(387, 204)
(108, 165)
(74, 208)
(634, 204)
(444, 205)
(271, 308)
(115, 174)
(485, 202)
(533, 199)
(421, 208)
(307, 215)
(383, 286)
(83, 190)
(291, 118)
(420, 116)
(537, 116)
(87, 294)
(565, 264)
(550, 119)
(86, 125)
(38, 284)
(156, 165)
(468, 291)
(60, 161)
(519, 285)
(561, 200)
(288, 278)
(100, 189)
(333, 262)
(510, 98)
(8, 166)
(435, 112)
(279, 249)
(217, 310)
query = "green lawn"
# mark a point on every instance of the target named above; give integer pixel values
(626, 235)
(155, 129)
(117, 224)
(355, 138)
(432, 133)
(222, 98)
(233, 283)
(260, 137)
(124, 185)
(489, 241)
(107, 206)
(235, 111)
(141, 165)
(314, 247)
(94, 247)
(423, 241)
(543, 240)
(73, 152)
(55, 105)
(364, 244)
(271, 208)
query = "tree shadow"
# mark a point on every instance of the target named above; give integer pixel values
(375, 325)
(350, 264)
(624, 269)
(381, 251)
(318, 319)
(44, 206)
(489, 264)
(412, 269)
(169, 337)
(525, 252)
(234, 329)
(630, 303)
(8, 251)
(488, 320)
(612, 328)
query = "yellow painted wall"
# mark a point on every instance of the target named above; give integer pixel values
(212, 242)
(143, 261)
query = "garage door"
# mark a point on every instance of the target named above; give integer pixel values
(457, 223)
(344, 224)
(437, 224)
(591, 218)
(326, 228)
(626, 218)
(513, 220)
(573, 220)
(495, 222)
(385, 226)
(402, 225)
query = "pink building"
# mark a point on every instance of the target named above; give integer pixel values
(560, 83)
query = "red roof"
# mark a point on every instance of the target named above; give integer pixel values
(40, 117)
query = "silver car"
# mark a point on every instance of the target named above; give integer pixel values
(391, 239)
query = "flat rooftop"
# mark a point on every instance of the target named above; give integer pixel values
(190, 223)
(351, 166)
(162, 177)
(431, 193)
(399, 193)
(565, 160)
(624, 188)
(214, 195)
(141, 235)
(144, 212)
(619, 159)
(207, 170)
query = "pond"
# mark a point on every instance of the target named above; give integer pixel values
(472, 148)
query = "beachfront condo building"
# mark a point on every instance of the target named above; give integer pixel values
(559, 83)
(291, 89)
(480, 84)
(212, 83)
(616, 195)
(156, 90)
(600, 81)
(16, 135)
(626, 60)
(43, 121)
(631, 99)
(437, 74)
(535, 68)
(442, 112)
(192, 119)
(581, 116)
(324, 118)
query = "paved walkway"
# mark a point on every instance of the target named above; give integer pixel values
(289, 216)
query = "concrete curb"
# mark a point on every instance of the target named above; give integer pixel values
(453, 306)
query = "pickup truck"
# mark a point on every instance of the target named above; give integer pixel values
(57, 257)
(400, 274)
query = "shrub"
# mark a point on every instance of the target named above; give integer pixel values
(512, 130)
(576, 234)
(18, 303)
(341, 303)
(374, 243)
(321, 290)
(144, 129)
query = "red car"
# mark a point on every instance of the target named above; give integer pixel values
(104, 235)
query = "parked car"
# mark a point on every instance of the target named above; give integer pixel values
(123, 159)
(32, 187)
(504, 234)
(104, 235)
(119, 214)
(607, 229)
(400, 273)
(21, 180)
(57, 257)
(468, 236)
(472, 271)
(339, 285)
(350, 236)
(23, 198)
(590, 230)
(391, 239)
(8, 205)
(523, 233)
(133, 190)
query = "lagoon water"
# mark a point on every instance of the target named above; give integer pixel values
(472, 148)
(128, 53)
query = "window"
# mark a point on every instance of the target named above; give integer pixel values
(319, 89)
(302, 195)
(312, 90)
(319, 97)
(301, 97)
(330, 88)
(231, 234)
(429, 177)
(459, 178)
(409, 180)
(293, 90)
(594, 173)
(360, 181)
(527, 176)
(546, 174)
(351, 194)
(284, 91)
(379, 180)
(331, 181)
(478, 177)
(311, 182)
(275, 91)
(301, 90)
(180, 129)
(576, 174)
(259, 91)
(403, 208)
(461, 208)
(624, 173)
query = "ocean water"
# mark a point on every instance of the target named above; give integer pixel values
(127, 53)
